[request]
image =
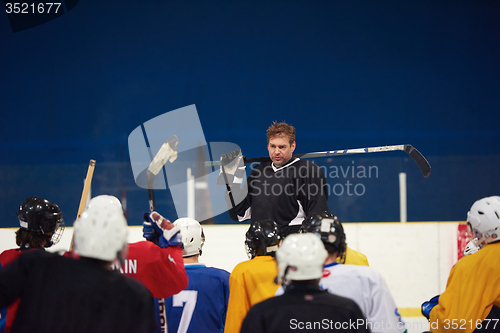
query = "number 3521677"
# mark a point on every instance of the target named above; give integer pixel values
(456, 324)
(32, 8)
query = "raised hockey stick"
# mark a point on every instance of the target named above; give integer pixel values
(167, 152)
(85, 192)
(86, 188)
(422, 163)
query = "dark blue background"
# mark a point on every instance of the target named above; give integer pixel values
(346, 74)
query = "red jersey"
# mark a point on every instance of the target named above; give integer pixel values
(161, 270)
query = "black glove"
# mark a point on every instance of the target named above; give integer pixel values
(229, 157)
(233, 165)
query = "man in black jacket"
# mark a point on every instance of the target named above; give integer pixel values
(284, 189)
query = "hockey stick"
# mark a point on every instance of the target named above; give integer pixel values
(85, 193)
(167, 152)
(422, 163)
(86, 188)
(228, 188)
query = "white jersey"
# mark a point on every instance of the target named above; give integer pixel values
(368, 289)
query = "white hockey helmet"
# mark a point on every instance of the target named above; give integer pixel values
(483, 220)
(192, 235)
(301, 257)
(104, 201)
(101, 231)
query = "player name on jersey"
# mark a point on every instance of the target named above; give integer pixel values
(129, 266)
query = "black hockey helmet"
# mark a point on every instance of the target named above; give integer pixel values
(41, 217)
(329, 228)
(262, 238)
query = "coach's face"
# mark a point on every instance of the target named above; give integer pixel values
(280, 149)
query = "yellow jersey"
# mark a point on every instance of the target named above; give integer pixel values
(353, 257)
(472, 289)
(250, 282)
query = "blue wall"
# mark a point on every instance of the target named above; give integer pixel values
(346, 74)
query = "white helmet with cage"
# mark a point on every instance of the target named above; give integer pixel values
(101, 231)
(301, 257)
(483, 220)
(192, 235)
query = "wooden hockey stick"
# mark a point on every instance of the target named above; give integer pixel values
(85, 193)
(86, 188)
(422, 163)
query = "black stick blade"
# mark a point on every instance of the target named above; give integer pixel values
(422, 163)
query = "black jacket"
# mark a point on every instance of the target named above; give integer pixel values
(304, 307)
(60, 294)
(286, 194)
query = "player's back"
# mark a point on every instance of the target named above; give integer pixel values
(251, 282)
(305, 307)
(202, 306)
(254, 280)
(60, 294)
(7, 315)
(369, 290)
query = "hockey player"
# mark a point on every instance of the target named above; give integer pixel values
(284, 189)
(61, 294)
(472, 296)
(202, 306)
(252, 281)
(348, 256)
(303, 306)
(156, 263)
(41, 226)
(362, 284)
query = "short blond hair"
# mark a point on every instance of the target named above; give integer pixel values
(281, 129)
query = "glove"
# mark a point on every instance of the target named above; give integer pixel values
(149, 232)
(428, 306)
(234, 167)
(161, 231)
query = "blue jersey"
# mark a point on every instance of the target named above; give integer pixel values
(202, 306)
